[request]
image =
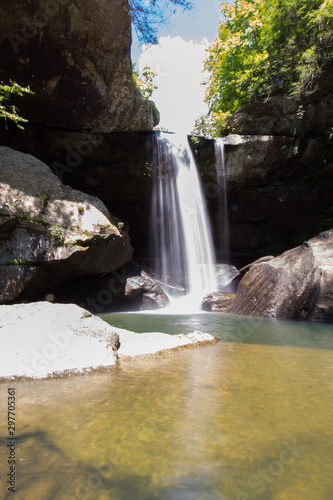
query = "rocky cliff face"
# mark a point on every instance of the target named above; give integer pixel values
(76, 57)
(309, 115)
(49, 232)
(279, 194)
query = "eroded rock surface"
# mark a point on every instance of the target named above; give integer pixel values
(50, 232)
(268, 179)
(296, 285)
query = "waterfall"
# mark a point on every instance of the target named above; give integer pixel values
(223, 225)
(182, 242)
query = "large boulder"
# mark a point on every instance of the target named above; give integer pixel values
(115, 167)
(76, 58)
(296, 285)
(50, 232)
(147, 290)
(42, 339)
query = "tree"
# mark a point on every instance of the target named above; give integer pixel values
(7, 110)
(265, 48)
(145, 82)
(205, 126)
(148, 15)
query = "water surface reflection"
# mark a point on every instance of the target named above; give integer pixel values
(230, 421)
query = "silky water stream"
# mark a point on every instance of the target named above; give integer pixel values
(182, 247)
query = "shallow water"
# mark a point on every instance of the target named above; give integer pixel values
(242, 419)
(230, 328)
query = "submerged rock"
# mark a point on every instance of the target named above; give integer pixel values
(296, 285)
(50, 232)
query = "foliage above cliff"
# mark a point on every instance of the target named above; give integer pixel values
(148, 15)
(264, 48)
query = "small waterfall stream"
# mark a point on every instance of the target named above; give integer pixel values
(182, 242)
(223, 233)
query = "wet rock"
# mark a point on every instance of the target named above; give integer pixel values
(265, 184)
(144, 290)
(125, 289)
(217, 301)
(227, 277)
(50, 232)
(296, 285)
(76, 58)
(133, 344)
(269, 178)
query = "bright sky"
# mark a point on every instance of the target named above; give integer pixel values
(178, 62)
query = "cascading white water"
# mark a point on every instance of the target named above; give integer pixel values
(223, 239)
(182, 242)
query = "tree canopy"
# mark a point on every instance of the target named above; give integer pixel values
(264, 48)
(148, 15)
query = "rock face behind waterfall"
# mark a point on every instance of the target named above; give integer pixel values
(76, 58)
(125, 289)
(296, 285)
(50, 232)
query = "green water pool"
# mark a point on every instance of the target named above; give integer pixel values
(250, 417)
